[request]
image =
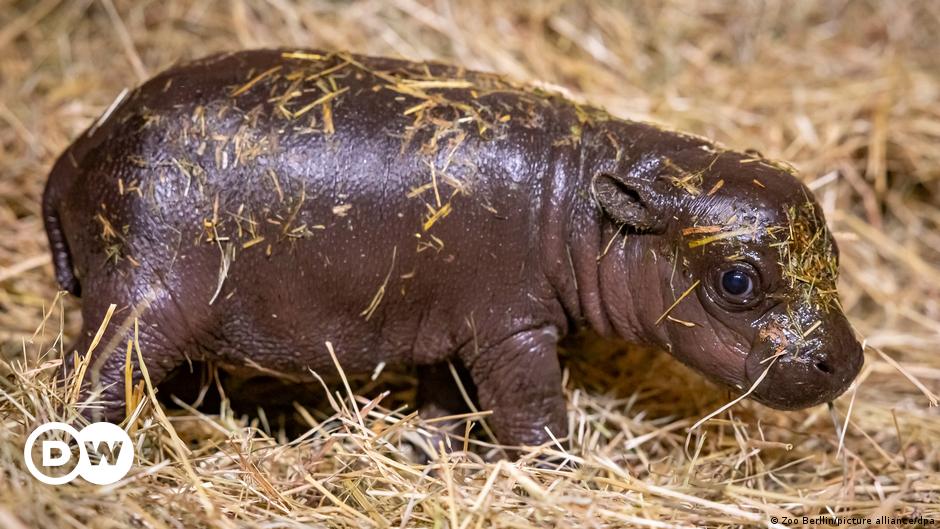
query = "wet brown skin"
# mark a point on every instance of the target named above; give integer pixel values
(250, 207)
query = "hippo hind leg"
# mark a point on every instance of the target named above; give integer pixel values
(164, 334)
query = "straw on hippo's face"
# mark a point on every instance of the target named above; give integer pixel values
(748, 281)
(780, 279)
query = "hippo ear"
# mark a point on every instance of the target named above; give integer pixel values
(629, 200)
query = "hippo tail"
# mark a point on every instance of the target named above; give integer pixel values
(51, 199)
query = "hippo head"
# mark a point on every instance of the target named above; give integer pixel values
(730, 267)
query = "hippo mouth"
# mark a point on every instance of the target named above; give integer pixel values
(794, 377)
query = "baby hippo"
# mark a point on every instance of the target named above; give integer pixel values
(248, 208)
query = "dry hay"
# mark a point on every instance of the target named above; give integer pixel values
(807, 260)
(847, 91)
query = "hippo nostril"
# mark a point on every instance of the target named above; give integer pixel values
(824, 366)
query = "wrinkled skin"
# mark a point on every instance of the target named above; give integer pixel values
(248, 208)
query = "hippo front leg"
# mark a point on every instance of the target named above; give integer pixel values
(519, 379)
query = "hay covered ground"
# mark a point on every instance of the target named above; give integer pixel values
(849, 92)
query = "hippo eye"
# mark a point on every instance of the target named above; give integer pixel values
(738, 283)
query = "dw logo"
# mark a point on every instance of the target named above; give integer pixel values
(108, 441)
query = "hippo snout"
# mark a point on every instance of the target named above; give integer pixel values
(809, 371)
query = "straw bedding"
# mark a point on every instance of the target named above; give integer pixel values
(848, 92)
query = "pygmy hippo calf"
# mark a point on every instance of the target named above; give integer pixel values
(249, 207)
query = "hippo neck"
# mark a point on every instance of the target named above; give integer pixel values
(576, 234)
